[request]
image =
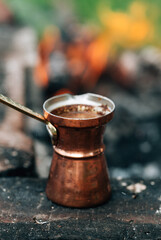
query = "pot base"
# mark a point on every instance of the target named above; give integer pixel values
(78, 182)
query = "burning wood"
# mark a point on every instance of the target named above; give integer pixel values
(86, 57)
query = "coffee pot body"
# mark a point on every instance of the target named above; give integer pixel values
(79, 175)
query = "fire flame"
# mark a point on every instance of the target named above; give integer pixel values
(46, 46)
(86, 60)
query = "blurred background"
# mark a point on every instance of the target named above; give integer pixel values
(109, 47)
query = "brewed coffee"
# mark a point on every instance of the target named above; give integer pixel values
(79, 111)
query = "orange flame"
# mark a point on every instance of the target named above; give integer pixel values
(45, 47)
(63, 91)
(88, 58)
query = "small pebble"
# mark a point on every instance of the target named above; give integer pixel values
(152, 183)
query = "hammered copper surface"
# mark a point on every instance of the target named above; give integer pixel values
(81, 182)
(78, 175)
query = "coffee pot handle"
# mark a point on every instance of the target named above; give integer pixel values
(27, 111)
(52, 132)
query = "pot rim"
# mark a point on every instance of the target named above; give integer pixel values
(86, 99)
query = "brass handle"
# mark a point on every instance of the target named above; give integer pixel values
(29, 112)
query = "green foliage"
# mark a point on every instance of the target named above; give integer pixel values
(37, 13)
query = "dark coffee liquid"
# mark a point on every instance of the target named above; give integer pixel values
(79, 111)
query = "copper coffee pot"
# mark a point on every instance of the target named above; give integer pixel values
(78, 175)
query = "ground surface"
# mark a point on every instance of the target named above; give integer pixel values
(26, 213)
